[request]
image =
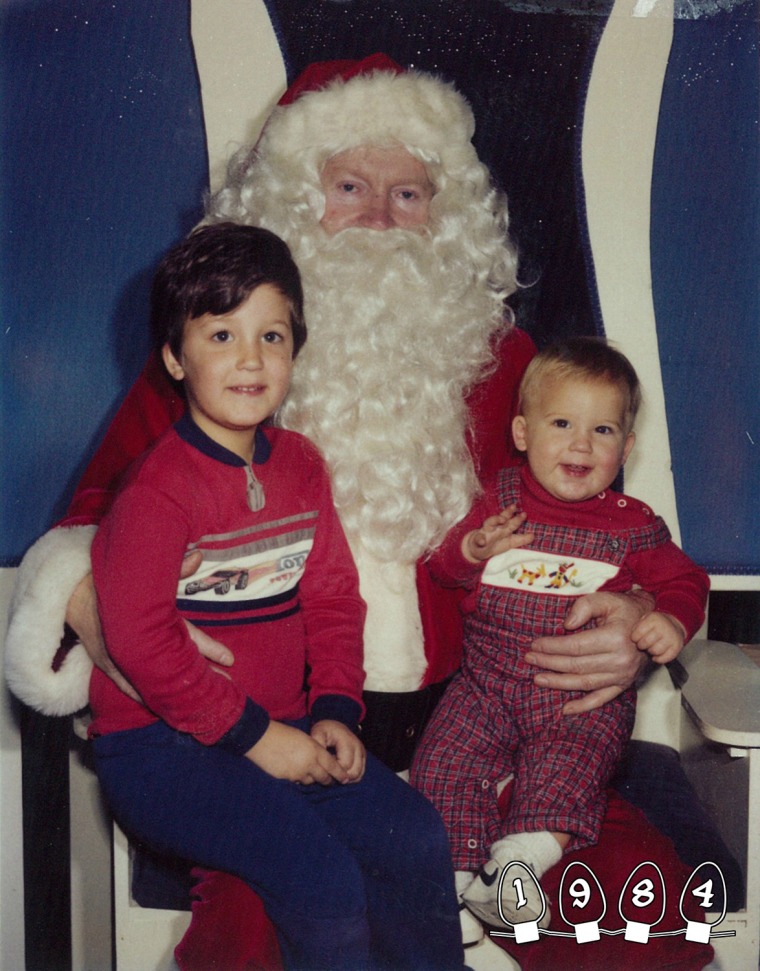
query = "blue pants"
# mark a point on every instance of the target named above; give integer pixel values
(354, 877)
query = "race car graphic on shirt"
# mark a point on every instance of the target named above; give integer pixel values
(219, 581)
(249, 570)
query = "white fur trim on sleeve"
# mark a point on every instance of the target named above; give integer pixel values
(47, 577)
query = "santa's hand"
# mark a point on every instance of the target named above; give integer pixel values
(288, 753)
(602, 661)
(209, 648)
(497, 535)
(348, 749)
(83, 618)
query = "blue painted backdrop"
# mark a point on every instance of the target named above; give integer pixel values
(104, 166)
(706, 280)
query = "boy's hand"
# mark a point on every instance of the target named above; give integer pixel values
(660, 635)
(497, 535)
(288, 753)
(348, 749)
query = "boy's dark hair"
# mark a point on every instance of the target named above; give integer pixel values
(584, 357)
(214, 270)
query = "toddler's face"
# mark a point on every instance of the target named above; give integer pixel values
(575, 436)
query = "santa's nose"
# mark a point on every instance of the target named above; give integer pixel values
(377, 214)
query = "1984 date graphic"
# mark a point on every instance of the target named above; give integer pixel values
(640, 905)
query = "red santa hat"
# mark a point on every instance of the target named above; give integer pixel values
(334, 106)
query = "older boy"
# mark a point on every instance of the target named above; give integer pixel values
(257, 771)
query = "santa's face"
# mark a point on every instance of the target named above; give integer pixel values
(375, 188)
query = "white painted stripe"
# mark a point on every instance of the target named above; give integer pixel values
(241, 71)
(619, 130)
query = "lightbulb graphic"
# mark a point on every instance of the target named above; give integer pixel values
(580, 888)
(524, 892)
(701, 885)
(643, 891)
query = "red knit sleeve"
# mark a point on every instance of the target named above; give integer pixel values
(136, 557)
(680, 587)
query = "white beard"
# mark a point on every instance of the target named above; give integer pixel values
(400, 327)
(397, 335)
(395, 339)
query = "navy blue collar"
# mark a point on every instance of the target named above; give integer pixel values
(189, 432)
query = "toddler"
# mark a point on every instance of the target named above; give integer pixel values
(541, 534)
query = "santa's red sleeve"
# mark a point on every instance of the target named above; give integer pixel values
(50, 680)
(492, 405)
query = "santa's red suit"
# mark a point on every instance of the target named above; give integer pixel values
(229, 929)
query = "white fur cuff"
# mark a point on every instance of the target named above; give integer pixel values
(47, 577)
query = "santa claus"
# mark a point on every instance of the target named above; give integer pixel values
(407, 385)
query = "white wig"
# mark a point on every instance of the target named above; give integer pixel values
(276, 183)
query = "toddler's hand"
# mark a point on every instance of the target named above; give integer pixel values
(497, 535)
(660, 635)
(288, 753)
(348, 749)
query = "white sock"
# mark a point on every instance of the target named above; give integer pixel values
(540, 851)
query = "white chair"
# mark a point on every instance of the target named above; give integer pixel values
(720, 750)
(145, 937)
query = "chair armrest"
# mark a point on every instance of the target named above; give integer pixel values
(720, 688)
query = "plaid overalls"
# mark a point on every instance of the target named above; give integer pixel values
(494, 721)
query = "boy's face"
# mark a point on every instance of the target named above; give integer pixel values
(236, 367)
(575, 436)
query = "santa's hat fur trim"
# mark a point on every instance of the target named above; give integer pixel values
(419, 111)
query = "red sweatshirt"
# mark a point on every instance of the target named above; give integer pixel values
(277, 586)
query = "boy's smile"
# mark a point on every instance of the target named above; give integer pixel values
(236, 367)
(575, 435)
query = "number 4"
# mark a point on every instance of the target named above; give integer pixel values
(705, 893)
